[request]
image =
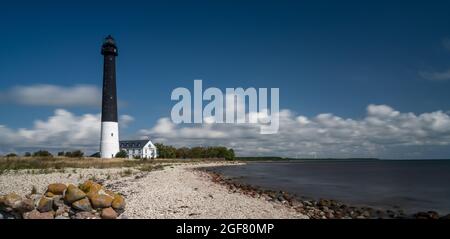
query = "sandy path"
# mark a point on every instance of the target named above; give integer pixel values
(175, 192)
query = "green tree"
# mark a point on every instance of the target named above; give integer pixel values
(122, 154)
(165, 151)
(76, 154)
(27, 154)
(42, 153)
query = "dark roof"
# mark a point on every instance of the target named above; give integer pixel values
(126, 144)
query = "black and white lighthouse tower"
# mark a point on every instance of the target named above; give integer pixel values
(109, 141)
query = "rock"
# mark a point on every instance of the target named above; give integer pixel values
(82, 205)
(446, 217)
(118, 202)
(110, 193)
(45, 204)
(101, 200)
(62, 210)
(296, 204)
(324, 203)
(56, 188)
(108, 213)
(85, 215)
(1, 216)
(11, 200)
(61, 217)
(25, 205)
(426, 215)
(58, 202)
(90, 186)
(365, 214)
(73, 194)
(35, 214)
(49, 194)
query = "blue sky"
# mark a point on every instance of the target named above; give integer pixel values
(325, 56)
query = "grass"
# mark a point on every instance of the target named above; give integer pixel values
(126, 172)
(43, 165)
(46, 165)
(149, 167)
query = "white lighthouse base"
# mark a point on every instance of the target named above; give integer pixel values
(109, 141)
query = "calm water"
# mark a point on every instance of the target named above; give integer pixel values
(410, 185)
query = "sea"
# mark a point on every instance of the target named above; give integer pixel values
(409, 185)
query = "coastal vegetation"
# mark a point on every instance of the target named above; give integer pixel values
(218, 152)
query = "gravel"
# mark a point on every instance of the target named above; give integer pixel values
(177, 191)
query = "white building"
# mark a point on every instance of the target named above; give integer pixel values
(143, 149)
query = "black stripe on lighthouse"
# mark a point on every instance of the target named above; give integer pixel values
(109, 99)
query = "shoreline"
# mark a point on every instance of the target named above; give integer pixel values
(175, 192)
(190, 190)
(317, 209)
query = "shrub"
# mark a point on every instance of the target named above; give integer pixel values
(74, 154)
(27, 154)
(42, 153)
(95, 155)
(10, 155)
(60, 153)
(167, 151)
(122, 154)
(77, 154)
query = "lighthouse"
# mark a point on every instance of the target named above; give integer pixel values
(109, 139)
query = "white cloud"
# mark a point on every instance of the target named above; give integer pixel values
(125, 120)
(383, 132)
(53, 95)
(435, 76)
(63, 130)
(438, 75)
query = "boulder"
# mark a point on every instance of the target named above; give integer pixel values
(90, 186)
(45, 204)
(11, 200)
(25, 205)
(49, 194)
(108, 213)
(118, 202)
(101, 200)
(85, 215)
(35, 214)
(73, 194)
(82, 205)
(110, 193)
(426, 215)
(324, 203)
(56, 188)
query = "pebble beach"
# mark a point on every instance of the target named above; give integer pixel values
(176, 191)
